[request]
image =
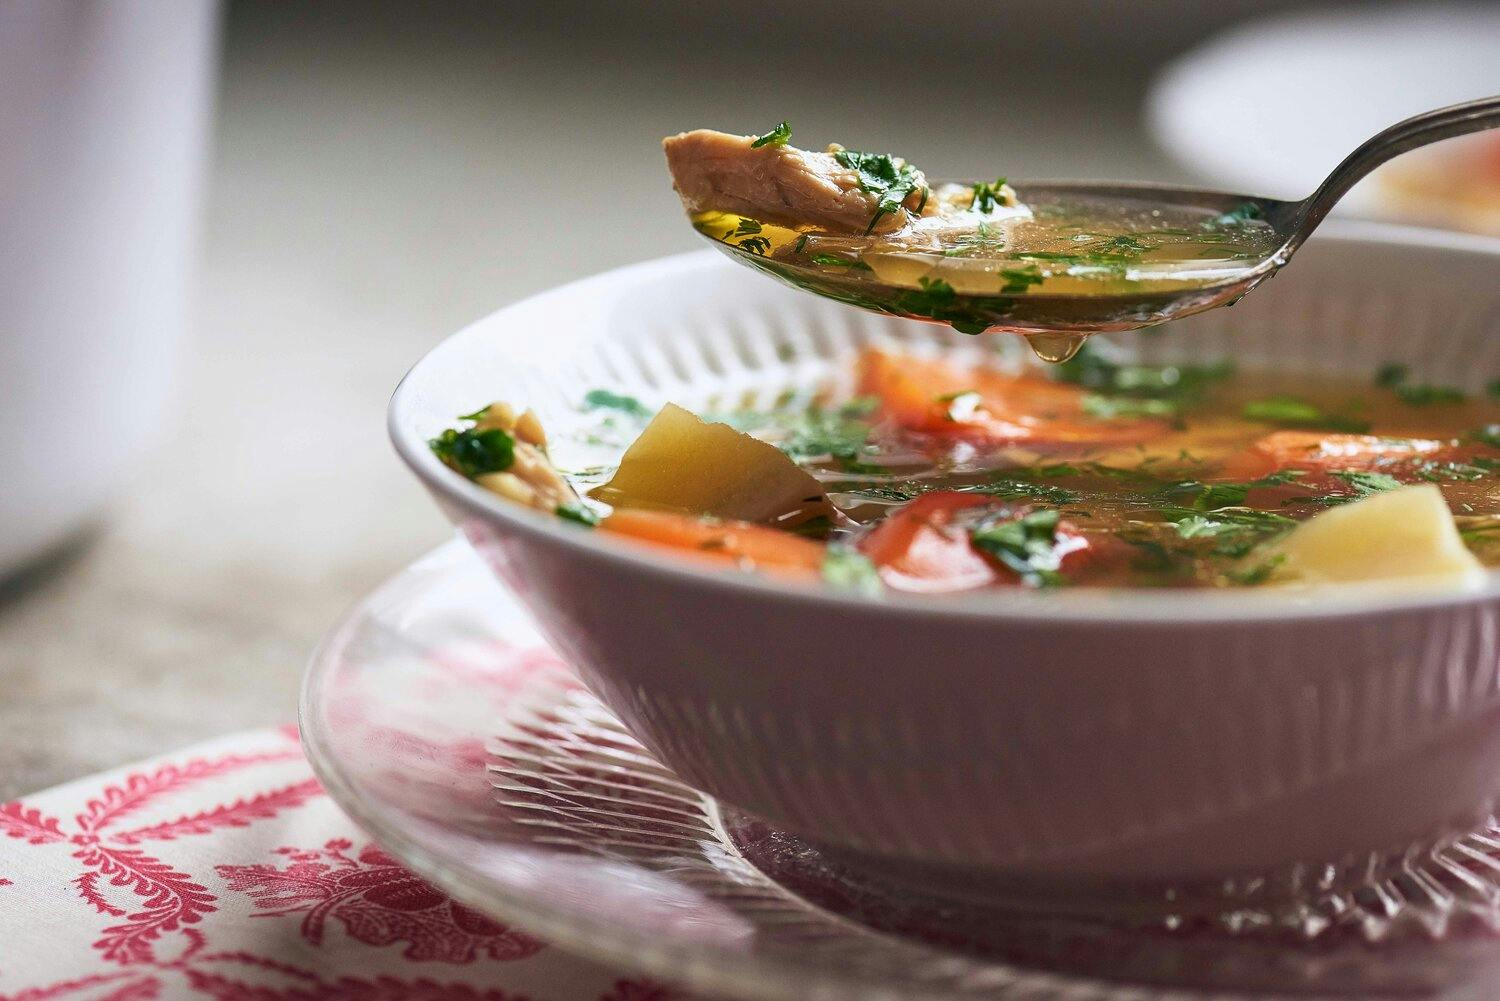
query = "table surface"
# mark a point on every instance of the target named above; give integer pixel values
(374, 186)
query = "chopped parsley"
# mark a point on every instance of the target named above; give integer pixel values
(1092, 370)
(890, 179)
(848, 569)
(579, 513)
(1390, 375)
(1257, 574)
(776, 137)
(1216, 496)
(603, 399)
(988, 197)
(937, 300)
(1237, 216)
(1425, 396)
(1027, 544)
(1010, 488)
(1018, 280)
(1365, 482)
(835, 261)
(474, 452)
(841, 433)
(1121, 390)
(1112, 407)
(1450, 471)
(1393, 376)
(1289, 411)
(1235, 530)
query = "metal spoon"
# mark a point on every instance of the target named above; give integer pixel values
(1057, 320)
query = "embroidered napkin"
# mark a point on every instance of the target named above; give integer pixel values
(225, 872)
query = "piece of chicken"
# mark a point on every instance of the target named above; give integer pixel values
(716, 171)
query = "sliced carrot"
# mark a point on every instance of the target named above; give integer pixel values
(742, 543)
(925, 546)
(933, 397)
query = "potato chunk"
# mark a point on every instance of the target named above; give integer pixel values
(1407, 533)
(686, 464)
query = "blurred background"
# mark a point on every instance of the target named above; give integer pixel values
(377, 174)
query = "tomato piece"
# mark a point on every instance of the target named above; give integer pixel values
(920, 548)
(742, 543)
(934, 397)
(925, 546)
(1319, 454)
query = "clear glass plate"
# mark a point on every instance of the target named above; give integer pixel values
(438, 718)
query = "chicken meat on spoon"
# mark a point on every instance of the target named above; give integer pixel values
(1056, 263)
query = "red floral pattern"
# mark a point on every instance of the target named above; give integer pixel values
(157, 902)
(379, 903)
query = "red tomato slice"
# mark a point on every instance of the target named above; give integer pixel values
(742, 543)
(924, 547)
(1318, 454)
(933, 397)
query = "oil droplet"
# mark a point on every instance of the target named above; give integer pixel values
(1055, 345)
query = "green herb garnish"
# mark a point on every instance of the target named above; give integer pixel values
(937, 299)
(474, 452)
(1237, 216)
(1028, 545)
(890, 179)
(1215, 496)
(835, 261)
(581, 514)
(1010, 488)
(1018, 280)
(1289, 411)
(850, 570)
(1391, 375)
(1366, 483)
(1425, 396)
(1236, 530)
(1090, 369)
(603, 399)
(1258, 574)
(988, 197)
(1112, 407)
(776, 137)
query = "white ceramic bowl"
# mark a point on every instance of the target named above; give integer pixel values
(1051, 738)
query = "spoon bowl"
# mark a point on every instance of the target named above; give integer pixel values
(1056, 314)
(1110, 256)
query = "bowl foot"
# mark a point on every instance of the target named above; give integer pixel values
(1418, 924)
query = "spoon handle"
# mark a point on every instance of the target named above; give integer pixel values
(1419, 130)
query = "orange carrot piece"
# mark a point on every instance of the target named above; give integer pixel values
(742, 543)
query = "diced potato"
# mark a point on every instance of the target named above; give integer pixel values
(1407, 532)
(686, 464)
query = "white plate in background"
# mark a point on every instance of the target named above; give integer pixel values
(1270, 107)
